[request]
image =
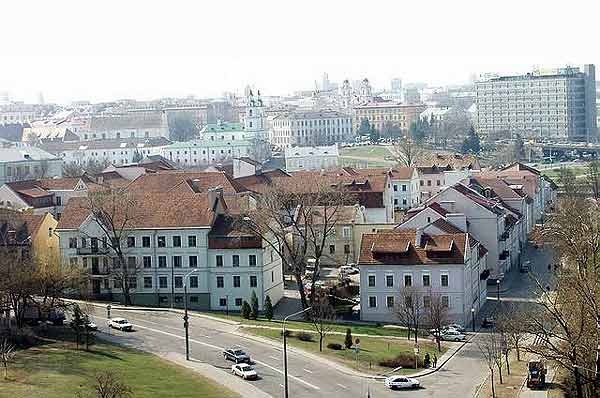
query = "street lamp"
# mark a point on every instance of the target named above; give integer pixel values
(473, 318)
(498, 291)
(186, 324)
(285, 372)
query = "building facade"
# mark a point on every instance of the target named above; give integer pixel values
(387, 113)
(311, 158)
(555, 104)
(17, 164)
(310, 128)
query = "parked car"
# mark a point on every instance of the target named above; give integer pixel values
(89, 325)
(443, 329)
(236, 355)
(120, 323)
(452, 335)
(349, 270)
(245, 371)
(488, 322)
(456, 326)
(401, 382)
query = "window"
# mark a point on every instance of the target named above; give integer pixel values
(426, 280)
(252, 280)
(223, 302)
(395, 188)
(421, 183)
(395, 202)
(106, 284)
(428, 183)
(192, 241)
(346, 249)
(426, 302)
(72, 243)
(104, 243)
(371, 280)
(444, 280)
(145, 241)
(331, 249)
(162, 282)
(445, 302)
(403, 187)
(178, 282)
(115, 263)
(407, 280)
(236, 281)
(131, 241)
(177, 241)
(389, 280)
(147, 282)
(372, 302)
(193, 282)
(219, 260)
(176, 261)
(147, 261)
(437, 183)
(131, 262)
(193, 299)
(220, 282)
(192, 261)
(162, 261)
(235, 260)
(252, 260)
(389, 301)
(346, 232)
(83, 242)
(58, 201)
(238, 302)
(162, 241)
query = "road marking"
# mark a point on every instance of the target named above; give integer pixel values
(273, 357)
(306, 370)
(343, 386)
(222, 349)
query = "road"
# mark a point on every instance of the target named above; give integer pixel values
(161, 333)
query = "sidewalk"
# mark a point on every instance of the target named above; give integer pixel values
(219, 376)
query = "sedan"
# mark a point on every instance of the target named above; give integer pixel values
(120, 323)
(401, 382)
(456, 326)
(236, 355)
(452, 335)
(245, 371)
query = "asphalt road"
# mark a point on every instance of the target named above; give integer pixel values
(162, 333)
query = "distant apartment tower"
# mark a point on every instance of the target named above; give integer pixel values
(555, 104)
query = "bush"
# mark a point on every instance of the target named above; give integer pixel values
(246, 310)
(405, 360)
(268, 308)
(287, 333)
(303, 336)
(253, 306)
(334, 346)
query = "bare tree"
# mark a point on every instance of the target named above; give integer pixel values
(115, 211)
(322, 316)
(489, 347)
(436, 313)
(408, 151)
(7, 355)
(109, 385)
(410, 311)
(593, 178)
(512, 324)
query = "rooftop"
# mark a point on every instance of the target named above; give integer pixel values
(301, 152)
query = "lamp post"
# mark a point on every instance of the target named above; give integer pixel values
(285, 371)
(473, 318)
(186, 324)
(498, 290)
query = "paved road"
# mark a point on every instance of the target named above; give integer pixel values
(161, 333)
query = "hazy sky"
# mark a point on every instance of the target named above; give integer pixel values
(102, 50)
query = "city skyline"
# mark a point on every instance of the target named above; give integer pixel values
(125, 51)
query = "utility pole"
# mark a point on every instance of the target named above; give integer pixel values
(285, 367)
(186, 324)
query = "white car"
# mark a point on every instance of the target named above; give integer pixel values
(452, 335)
(456, 326)
(244, 370)
(398, 382)
(349, 270)
(120, 323)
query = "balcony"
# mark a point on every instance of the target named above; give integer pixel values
(87, 251)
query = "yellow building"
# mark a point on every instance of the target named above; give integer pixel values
(382, 115)
(44, 240)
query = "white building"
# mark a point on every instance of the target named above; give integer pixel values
(173, 235)
(17, 164)
(310, 128)
(448, 266)
(405, 187)
(311, 158)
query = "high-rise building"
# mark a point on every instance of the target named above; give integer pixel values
(557, 104)
(396, 85)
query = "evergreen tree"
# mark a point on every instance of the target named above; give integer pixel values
(365, 127)
(268, 308)
(471, 143)
(246, 310)
(78, 324)
(348, 339)
(253, 306)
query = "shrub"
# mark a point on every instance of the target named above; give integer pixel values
(246, 310)
(268, 308)
(253, 306)
(348, 339)
(334, 346)
(405, 360)
(303, 336)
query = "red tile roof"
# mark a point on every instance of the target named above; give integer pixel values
(167, 180)
(33, 221)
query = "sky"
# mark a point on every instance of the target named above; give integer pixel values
(106, 50)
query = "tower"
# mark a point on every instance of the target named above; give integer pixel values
(346, 94)
(254, 123)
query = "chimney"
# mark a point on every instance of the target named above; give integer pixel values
(418, 236)
(459, 220)
(214, 194)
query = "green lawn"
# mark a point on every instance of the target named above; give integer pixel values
(579, 172)
(368, 151)
(372, 349)
(372, 330)
(57, 370)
